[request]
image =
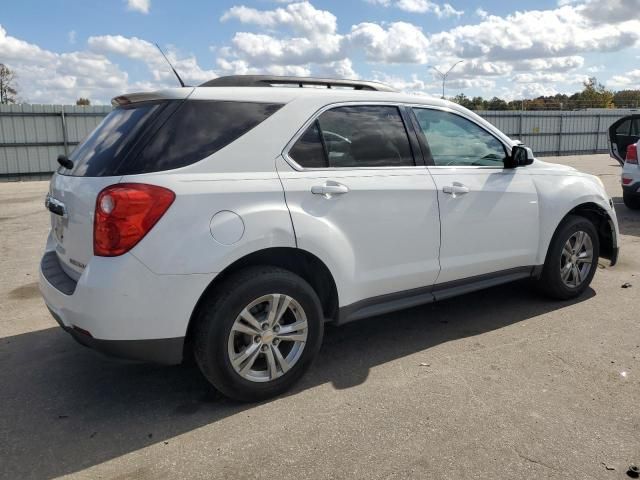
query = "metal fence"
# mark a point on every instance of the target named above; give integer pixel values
(558, 132)
(32, 136)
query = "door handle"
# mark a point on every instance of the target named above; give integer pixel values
(329, 189)
(455, 189)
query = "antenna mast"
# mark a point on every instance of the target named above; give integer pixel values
(174, 70)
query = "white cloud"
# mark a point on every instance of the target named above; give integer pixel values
(303, 18)
(526, 91)
(558, 64)
(421, 6)
(47, 77)
(399, 42)
(141, 6)
(536, 51)
(142, 50)
(627, 81)
(536, 34)
(610, 11)
(547, 78)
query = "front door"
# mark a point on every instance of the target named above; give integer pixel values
(360, 203)
(489, 214)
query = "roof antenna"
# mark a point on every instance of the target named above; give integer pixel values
(174, 70)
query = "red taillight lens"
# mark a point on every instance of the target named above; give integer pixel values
(125, 213)
(632, 154)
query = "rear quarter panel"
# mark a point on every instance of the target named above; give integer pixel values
(182, 242)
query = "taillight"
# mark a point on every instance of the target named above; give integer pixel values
(125, 213)
(632, 154)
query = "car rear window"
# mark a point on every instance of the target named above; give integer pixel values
(161, 136)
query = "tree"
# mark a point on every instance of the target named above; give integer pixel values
(462, 99)
(8, 90)
(595, 95)
(83, 101)
(496, 104)
(627, 98)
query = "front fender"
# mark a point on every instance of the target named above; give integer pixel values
(559, 195)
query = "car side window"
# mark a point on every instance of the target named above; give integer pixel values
(624, 127)
(456, 141)
(355, 136)
(308, 151)
(635, 127)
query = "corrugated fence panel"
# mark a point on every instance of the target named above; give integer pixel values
(558, 132)
(32, 136)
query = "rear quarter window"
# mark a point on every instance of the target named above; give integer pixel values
(152, 137)
(195, 131)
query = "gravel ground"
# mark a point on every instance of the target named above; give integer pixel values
(496, 384)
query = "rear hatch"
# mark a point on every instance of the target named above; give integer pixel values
(97, 163)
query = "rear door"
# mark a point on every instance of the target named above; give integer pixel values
(623, 133)
(359, 200)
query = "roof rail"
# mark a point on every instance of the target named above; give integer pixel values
(274, 80)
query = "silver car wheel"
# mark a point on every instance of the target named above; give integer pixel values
(576, 259)
(267, 338)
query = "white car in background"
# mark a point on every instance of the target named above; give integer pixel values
(624, 136)
(234, 219)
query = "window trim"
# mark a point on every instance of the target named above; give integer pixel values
(427, 160)
(420, 133)
(296, 166)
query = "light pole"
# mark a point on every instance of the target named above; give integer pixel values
(443, 76)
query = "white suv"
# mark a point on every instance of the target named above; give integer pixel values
(232, 220)
(624, 140)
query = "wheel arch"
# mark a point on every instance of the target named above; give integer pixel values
(604, 226)
(296, 260)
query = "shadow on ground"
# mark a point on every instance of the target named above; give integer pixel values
(65, 408)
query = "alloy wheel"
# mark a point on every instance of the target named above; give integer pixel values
(267, 338)
(576, 259)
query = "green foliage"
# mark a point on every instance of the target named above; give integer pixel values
(593, 95)
(83, 101)
(627, 99)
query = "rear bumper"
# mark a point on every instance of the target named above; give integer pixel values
(121, 308)
(631, 189)
(167, 351)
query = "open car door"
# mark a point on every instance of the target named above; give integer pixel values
(623, 133)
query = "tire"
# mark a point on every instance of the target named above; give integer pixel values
(222, 335)
(631, 200)
(551, 281)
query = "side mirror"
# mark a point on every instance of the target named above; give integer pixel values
(520, 156)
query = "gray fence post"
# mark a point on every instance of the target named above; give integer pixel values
(560, 135)
(598, 134)
(64, 132)
(520, 128)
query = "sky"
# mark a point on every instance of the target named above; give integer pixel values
(61, 50)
